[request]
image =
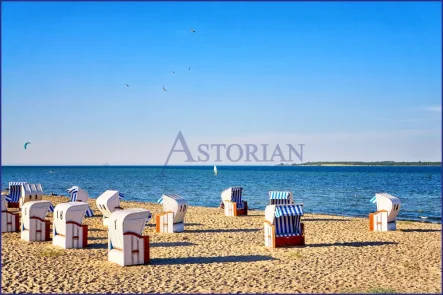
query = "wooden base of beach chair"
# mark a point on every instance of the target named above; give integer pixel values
(289, 241)
(10, 222)
(130, 256)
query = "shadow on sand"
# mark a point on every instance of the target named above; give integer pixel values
(228, 230)
(323, 219)
(352, 244)
(420, 230)
(97, 246)
(172, 244)
(199, 260)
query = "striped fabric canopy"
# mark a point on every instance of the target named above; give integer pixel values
(288, 210)
(275, 195)
(373, 200)
(14, 192)
(121, 196)
(236, 196)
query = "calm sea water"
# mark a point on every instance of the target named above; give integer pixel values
(331, 190)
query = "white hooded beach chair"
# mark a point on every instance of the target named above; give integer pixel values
(15, 189)
(32, 192)
(126, 245)
(107, 203)
(280, 198)
(34, 227)
(173, 218)
(67, 229)
(233, 203)
(283, 226)
(79, 195)
(10, 220)
(388, 208)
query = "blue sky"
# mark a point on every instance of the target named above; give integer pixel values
(352, 81)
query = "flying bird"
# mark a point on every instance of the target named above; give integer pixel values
(173, 72)
(189, 68)
(26, 144)
(127, 85)
(164, 88)
(192, 30)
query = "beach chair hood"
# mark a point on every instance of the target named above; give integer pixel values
(37, 209)
(280, 197)
(389, 203)
(126, 221)
(15, 191)
(107, 202)
(285, 218)
(70, 211)
(78, 195)
(176, 204)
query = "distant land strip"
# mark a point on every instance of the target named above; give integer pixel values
(380, 163)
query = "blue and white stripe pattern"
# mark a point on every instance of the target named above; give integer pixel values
(279, 198)
(373, 200)
(287, 220)
(73, 191)
(121, 196)
(51, 208)
(14, 191)
(160, 201)
(236, 196)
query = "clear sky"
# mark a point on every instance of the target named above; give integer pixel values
(351, 81)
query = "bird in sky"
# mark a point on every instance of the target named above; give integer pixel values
(189, 68)
(192, 30)
(127, 85)
(173, 72)
(164, 88)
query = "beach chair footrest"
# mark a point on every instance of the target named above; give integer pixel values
(289, 241)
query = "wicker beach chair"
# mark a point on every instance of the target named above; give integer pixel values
(283, 226)
(173, 218)
(67, 229)
(10, 220)
(34, 227)
(388, 207)
(107, 203)
(126, 244)
(233, 203)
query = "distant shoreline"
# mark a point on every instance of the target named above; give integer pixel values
(384, 163)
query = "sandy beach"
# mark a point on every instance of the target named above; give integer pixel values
(218, 254)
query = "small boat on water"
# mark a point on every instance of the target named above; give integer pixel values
(51, 171)
(215, 170)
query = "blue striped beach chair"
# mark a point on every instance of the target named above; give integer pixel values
(233, 203)
(15, 189)
(283, 226)
(173, 217)
(280, 198)
(29, 192)
(79, 195)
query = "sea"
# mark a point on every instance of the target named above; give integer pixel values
(334, 190)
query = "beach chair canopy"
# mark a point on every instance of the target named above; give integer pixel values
(78, 195)
(37, 209)
(126, 221)
(285, 218)
(176, 204)
(66, 212)
(233, 194)
(280, 198)
(31, 192)
(389, 203)
(15, 189)
(107, 202)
